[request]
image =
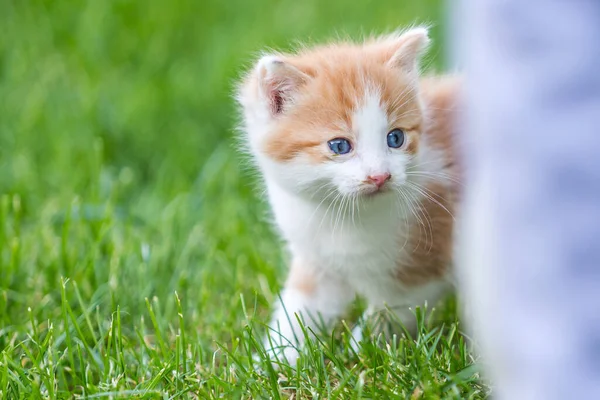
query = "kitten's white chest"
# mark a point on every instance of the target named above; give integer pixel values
(367, 257)
(365, 248)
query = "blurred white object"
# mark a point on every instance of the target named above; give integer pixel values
(530, 238)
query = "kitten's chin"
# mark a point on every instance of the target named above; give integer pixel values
(372, 192)
(375, 194)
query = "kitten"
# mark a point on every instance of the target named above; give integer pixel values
(356, 154)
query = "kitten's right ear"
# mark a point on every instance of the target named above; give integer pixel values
(402, 50)
(278, 82)
(409, 47)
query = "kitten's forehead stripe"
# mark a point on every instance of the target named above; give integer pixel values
(370, 123)
(369, 111)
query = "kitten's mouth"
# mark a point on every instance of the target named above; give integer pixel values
(373, 191)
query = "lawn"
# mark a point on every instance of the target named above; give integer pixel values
(136, 257)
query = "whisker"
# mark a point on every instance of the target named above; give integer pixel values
(408, 203)
(327, 211)
(409, 112)
(403, 97)
(425, 214)
(420, 165)
(353, 209)
(331, 191)
(435, 175)
(338, 214)
(421, 215)
(324, 185)
(424, 191)
(442, 109)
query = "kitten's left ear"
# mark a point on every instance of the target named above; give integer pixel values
(408, 47)
(279, 81)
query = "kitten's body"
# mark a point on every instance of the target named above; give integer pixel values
(391, 244)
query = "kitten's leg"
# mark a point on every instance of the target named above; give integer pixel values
(381, 322)
(402, 304)
(316, 297)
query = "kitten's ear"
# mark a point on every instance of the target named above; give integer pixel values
(407, 49)
(278, 82)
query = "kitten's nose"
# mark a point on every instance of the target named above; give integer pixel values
(379, 180)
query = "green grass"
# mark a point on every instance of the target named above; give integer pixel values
(135, 256)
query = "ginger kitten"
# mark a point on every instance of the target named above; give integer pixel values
(355, 149)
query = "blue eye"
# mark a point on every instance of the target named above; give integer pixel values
(395, 138)
(340, 146)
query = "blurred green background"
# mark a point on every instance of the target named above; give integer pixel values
(118, 168)
(144, 87)
(127, 105)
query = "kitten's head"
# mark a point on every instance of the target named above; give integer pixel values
(343, 118)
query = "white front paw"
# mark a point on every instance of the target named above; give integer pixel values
(286, 354)
(282, 347)
(357, 337)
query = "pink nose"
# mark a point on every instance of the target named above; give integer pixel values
(379, 180)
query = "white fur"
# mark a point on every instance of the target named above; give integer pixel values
(352, 247)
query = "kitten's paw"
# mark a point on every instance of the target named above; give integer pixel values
(357, 338)
(282, 355)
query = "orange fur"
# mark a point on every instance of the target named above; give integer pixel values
(341, 74)
(431, 247)
(403, 194)
(323, 108)
(301, 278)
